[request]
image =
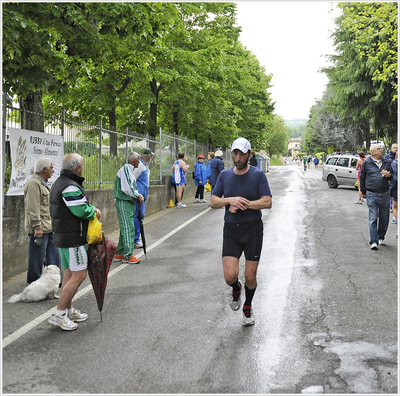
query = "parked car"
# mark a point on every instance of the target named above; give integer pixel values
(340, 169)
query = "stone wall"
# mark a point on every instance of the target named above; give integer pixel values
(16, 241)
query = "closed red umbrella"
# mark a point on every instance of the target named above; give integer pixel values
(100, 258)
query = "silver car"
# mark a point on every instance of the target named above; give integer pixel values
(340, 169)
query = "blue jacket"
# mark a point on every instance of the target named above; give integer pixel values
(391, 156)
(217, 166)
(142, 182)
(371, 178)
(200, 173)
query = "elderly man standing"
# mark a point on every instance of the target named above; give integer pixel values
(376, 173)
(38, 220)
(126, 195)
(70, 214)
(142, 174)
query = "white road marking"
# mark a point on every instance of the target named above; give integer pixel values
(29, 326)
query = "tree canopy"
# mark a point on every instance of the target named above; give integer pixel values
(140, 66)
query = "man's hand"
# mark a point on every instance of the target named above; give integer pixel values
(98, 213)
(38, 233)
(238, 203)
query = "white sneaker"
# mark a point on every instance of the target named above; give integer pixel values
(62, 321)
(78, 316)
(203, 200)
(374, 246)
(394, 221)
(138, 245)
(182, 205)
(248, 318)
(196, 200)
(358, 202)
(382, 242)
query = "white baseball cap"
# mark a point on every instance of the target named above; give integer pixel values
(241, 144)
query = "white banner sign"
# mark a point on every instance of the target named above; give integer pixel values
(26, 148)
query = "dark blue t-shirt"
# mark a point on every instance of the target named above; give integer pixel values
(252, 185)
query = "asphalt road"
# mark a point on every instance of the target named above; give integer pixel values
(325, 308)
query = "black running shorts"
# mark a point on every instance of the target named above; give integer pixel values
(245, 237)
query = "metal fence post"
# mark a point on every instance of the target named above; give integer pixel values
(62, 123)
(126, 144)
(4, 146)
(161, 153)
(100, 157)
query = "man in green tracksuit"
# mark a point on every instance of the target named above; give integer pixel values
(126, 195)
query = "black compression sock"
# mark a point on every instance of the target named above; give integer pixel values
(236, 285)
(249, 295)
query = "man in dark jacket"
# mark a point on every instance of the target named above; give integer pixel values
(392, 154)
(216, 167)
(376, 173)
(70, 213)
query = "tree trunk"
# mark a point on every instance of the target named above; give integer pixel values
(112, 118)
(32, 112)
(367, 134)
(153, 107)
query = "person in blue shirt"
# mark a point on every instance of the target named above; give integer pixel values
(200, 178)
(244, 191)
(142, 174)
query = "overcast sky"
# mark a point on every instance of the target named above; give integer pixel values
(291, 39)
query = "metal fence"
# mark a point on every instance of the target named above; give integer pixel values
(93, 142)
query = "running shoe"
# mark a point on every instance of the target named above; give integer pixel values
(118, 257)
(382, 242)
(196, 200)
(235, 301)
(138, 245)
(374, 246)
(78, 316)
(62, 321)
(203, 200)
(131, 260)
(394, 221)
(248, 318)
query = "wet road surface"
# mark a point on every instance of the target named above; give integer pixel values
(325, 309)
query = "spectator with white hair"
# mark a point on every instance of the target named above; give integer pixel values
(216, 167)
(42, 249)
(376, 173)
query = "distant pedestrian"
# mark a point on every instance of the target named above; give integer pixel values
(358, 168)
(200, 178)
(180, 168)
(38, 221)
(253, 160)
(305, 160)
(393, 189)
(316, 162)
(142, 174)
(126, 195)
(243, 190)
(376, 173)
(217, 166)
(210, 157)
(391, 156)
(70, 214)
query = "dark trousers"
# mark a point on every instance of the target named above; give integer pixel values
(200, 191)
(39, 253)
